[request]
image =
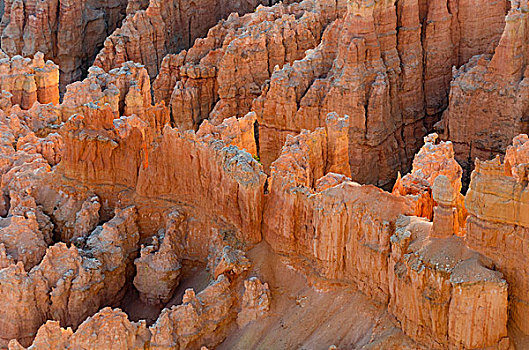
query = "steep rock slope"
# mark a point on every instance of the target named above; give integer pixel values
(488, 96)
(164, 27)
(388, 66)
(394, 85)
(68, 32)
(498, 224)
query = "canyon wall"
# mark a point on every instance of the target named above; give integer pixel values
(164, 27)
(394, 84)
(118, 146)
(498, 224)
(70, 230)
(68, 32)
(339, 231)
(120, 193)
(488, 96)
(71, 33)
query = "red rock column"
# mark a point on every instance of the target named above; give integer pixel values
(29, 92)
(46, 80)
(445, 222)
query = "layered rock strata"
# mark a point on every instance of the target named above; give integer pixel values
(68, 32)
(164, 27)
(488, 96)
(30, 80)
(361, 235)
(498, 224)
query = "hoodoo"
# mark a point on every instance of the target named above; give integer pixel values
(250, 174)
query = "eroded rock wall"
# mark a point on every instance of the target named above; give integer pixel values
(68, 32)
(164, 27)
(498, 223)
(488, 96)
(339, 231)
(70, 284)
(387, 66)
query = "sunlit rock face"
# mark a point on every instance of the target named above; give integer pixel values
(498, 221)
(193, 175)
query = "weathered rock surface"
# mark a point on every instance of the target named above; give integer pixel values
(345, 230)
(222, 74)
(217, 78)
(113, 329)
(69, 284)
(392, 84)
(255, 301)
(360, 235)
(434, 159)
(164, 27)
(68, 32)
(129, 155)
(488, 96)
(158, 268)
(132, 195)
(30, 80)
(442, 293)
(498, 223)
(201, 318)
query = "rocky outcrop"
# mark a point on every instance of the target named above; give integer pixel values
(498, 223)
(488, 96)
(113, 329)
(354, 82)
(255, 301)
(165, 27)
(345, 230)
(200, 319)
(442, 293)
(68, 32)
(323, 93)
(239, 132)
(158, 268)
(110, 154)
(434, 159)
(70, 284)
(30, 80)
(222, 74)
(218, 78)
(392, 85)
(361, 235)
(228, 261)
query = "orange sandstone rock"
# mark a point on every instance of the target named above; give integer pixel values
(68, 32)
(345, 230)
(488, 96)
(434, 159)
(432, 281)
(255, 301)
(174, 25)
(30, 80)
(498, 223)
